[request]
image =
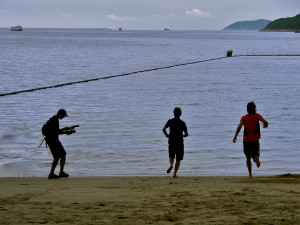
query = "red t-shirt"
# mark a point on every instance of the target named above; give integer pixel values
(251, 127)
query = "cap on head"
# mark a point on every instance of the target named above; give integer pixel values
(62, 112)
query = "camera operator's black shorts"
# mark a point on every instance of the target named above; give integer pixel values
(176, 150)
(56, 148)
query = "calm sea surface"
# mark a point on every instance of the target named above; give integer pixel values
(121, 118)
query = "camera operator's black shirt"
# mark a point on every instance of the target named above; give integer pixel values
(52, 140)
(53, 128)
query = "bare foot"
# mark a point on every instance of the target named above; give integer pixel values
(258, 164)
(175, 176)
(250, 175)
(170, 169)
(256, 160)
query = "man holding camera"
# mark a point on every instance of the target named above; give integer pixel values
(56, 148)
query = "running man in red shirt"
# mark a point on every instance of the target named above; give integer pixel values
(251, 135)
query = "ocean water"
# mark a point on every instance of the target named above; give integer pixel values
(121, 118)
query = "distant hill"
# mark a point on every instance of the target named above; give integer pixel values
(248, 25)
(284, 24)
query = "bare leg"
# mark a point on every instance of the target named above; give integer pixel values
(249, 166)
(54, 164)
(256, 160)
(62, 163)
(177, 165)
(171, 160)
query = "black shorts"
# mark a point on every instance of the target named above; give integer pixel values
(176, 151)
(251, 149)
(56, 148)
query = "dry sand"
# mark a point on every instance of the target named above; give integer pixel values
(150, 200)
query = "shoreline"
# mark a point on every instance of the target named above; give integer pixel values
(287, 175)
(151, 200)
(278, 30)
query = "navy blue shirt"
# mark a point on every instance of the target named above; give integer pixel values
(177, 127)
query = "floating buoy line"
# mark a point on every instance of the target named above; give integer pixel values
(229, 54)
(272, 55)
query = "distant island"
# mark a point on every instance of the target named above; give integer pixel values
(248, 25)
(284, 24)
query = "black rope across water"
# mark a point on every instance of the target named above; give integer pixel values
(272, 55)
(107, 77)
(229, 54)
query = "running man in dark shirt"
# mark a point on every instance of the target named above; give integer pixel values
(178, 131)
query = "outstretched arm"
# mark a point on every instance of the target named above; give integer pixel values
(238, 129)
(165, 131)
(266, 124)
(185, 134)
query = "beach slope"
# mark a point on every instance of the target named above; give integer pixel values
(150, 200)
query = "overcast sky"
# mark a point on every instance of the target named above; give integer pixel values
(142, 14)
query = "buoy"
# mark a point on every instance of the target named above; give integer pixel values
(229, 53)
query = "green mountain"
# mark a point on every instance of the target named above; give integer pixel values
(248, 25)
(284, 24)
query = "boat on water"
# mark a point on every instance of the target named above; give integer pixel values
(167, 28)
(16, 28)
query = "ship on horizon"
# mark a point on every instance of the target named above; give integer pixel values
(16, 28)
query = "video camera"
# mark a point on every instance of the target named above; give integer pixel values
(70, 130)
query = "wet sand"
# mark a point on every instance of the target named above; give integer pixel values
(151, 200)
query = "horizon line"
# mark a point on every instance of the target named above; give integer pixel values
(106, 28)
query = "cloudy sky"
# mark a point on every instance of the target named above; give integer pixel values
(142, 14)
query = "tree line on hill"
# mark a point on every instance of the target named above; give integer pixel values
(282, 24)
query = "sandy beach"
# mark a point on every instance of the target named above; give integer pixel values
(151, 200)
